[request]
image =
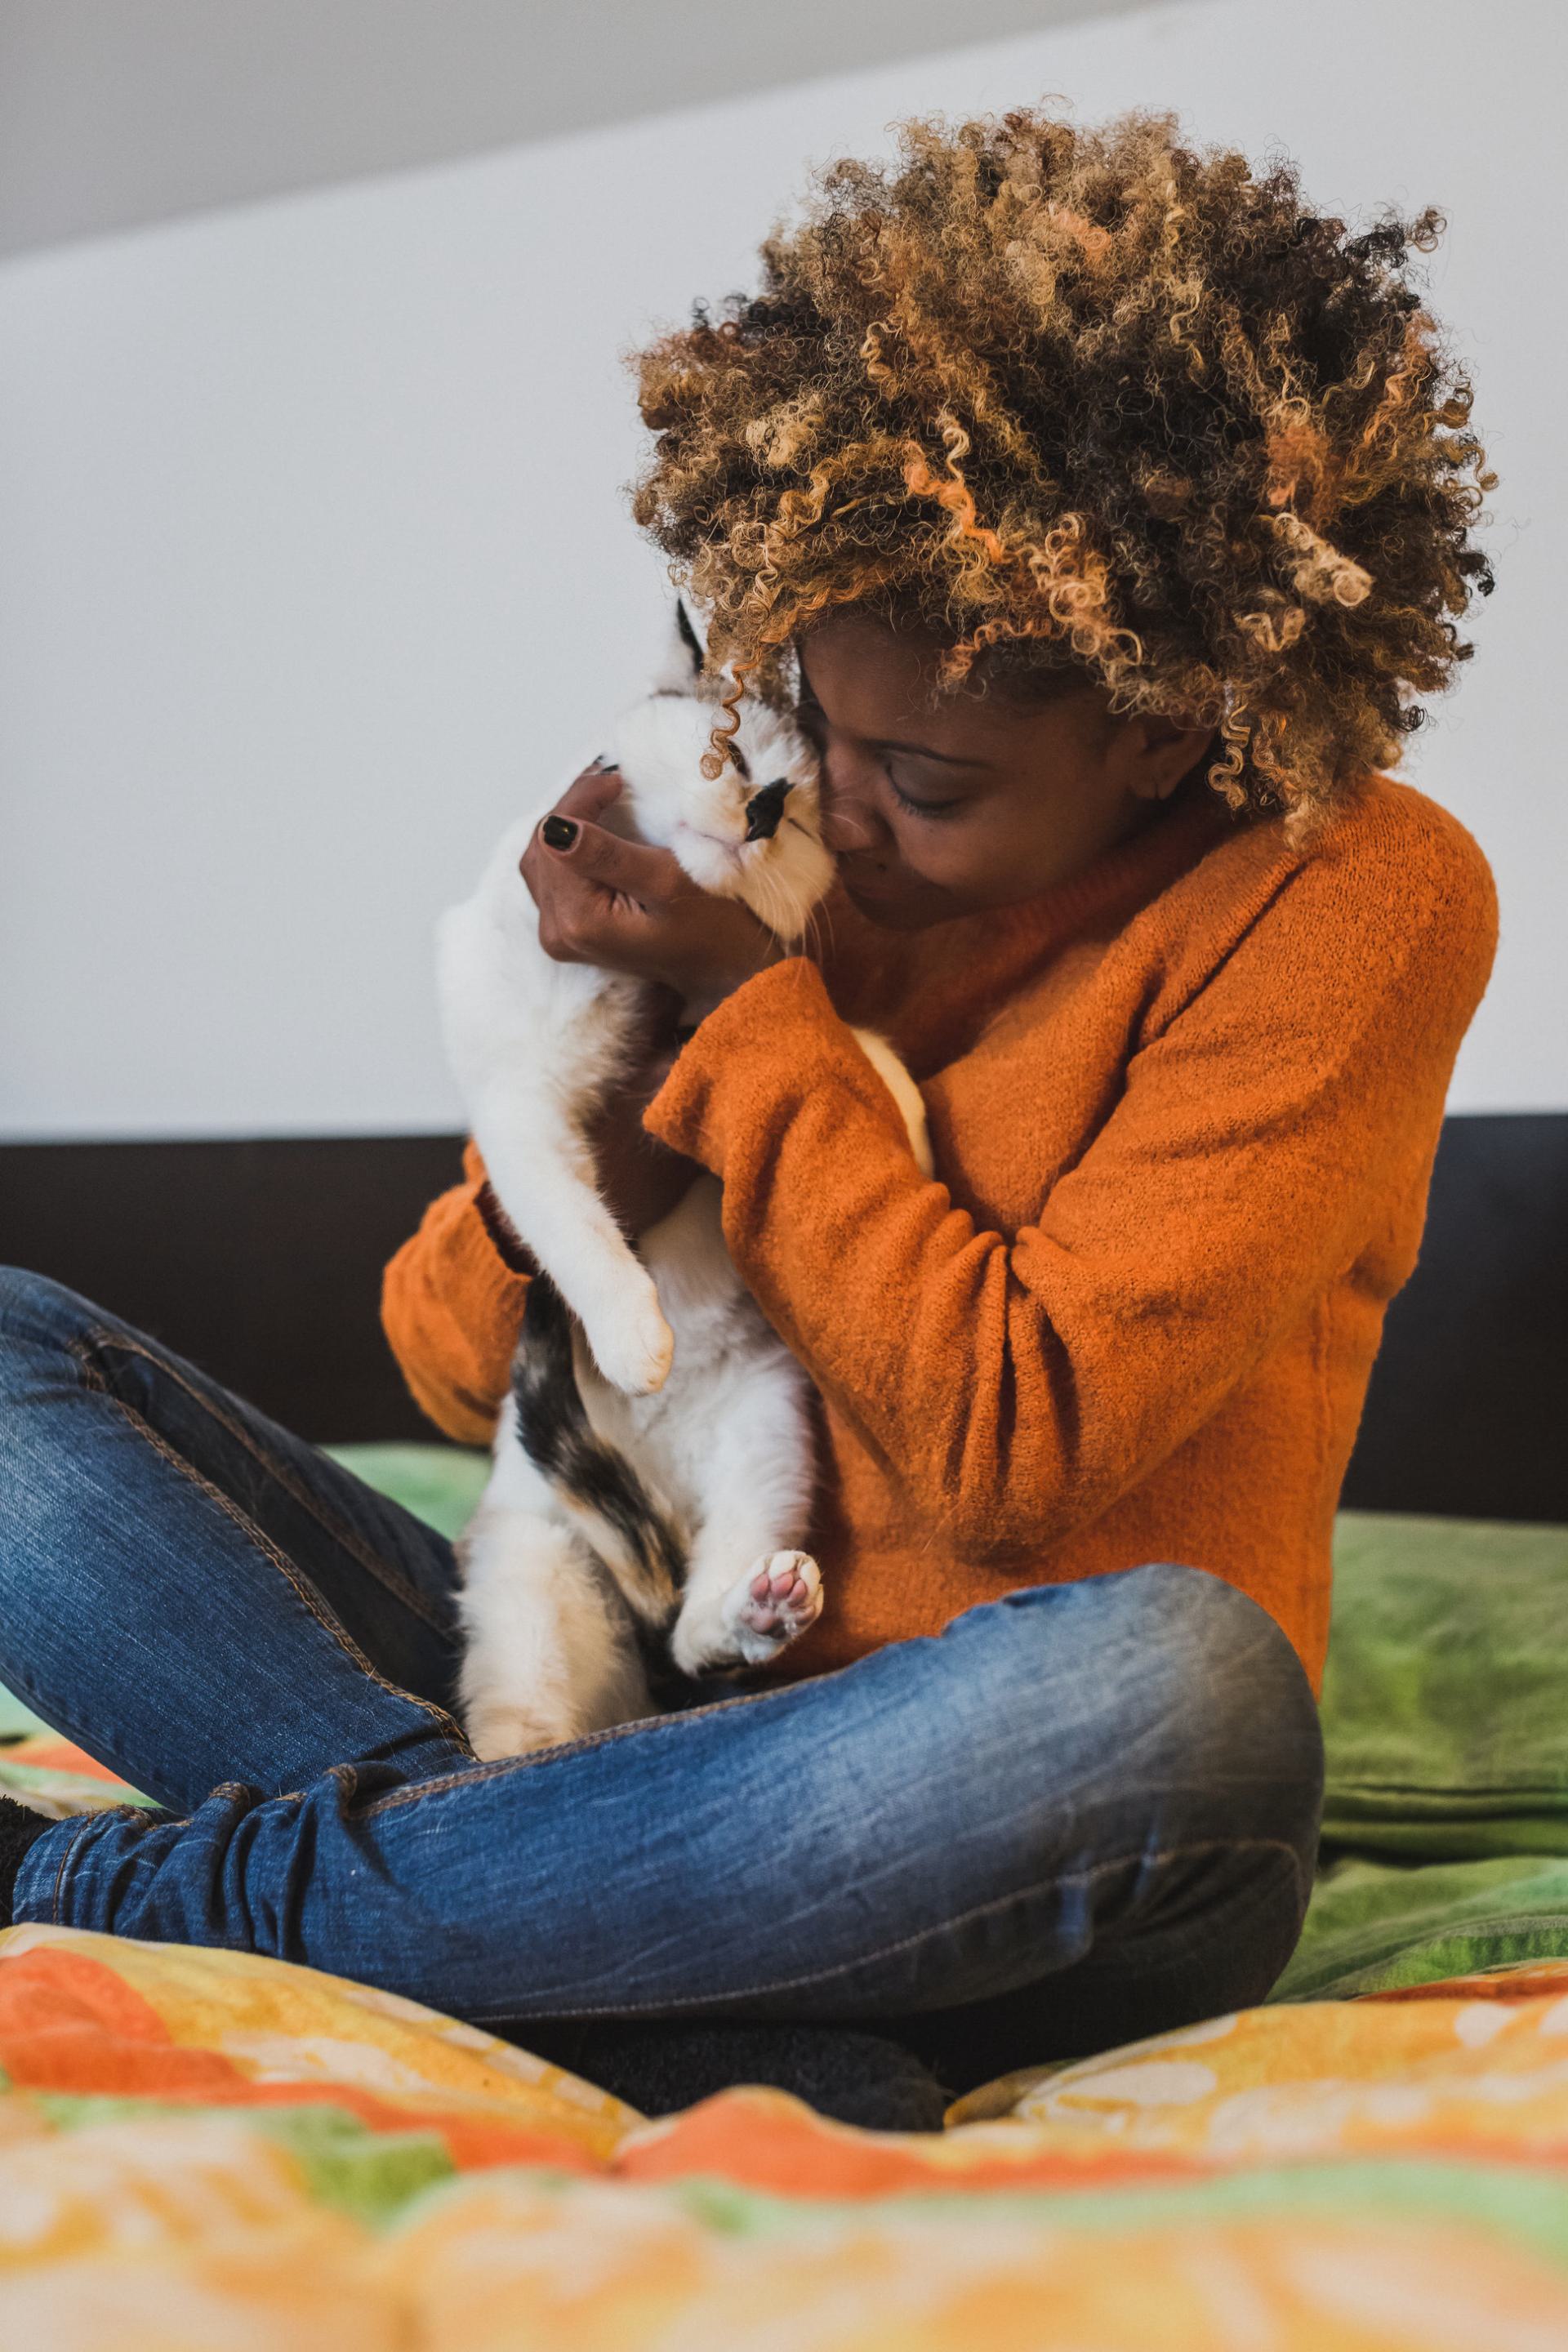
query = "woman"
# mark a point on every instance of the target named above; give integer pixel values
(1104, 511)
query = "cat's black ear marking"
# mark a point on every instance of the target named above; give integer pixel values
(765, 809)
(679, 671)
(688, 636)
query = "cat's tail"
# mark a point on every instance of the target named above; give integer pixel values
(596, 1486)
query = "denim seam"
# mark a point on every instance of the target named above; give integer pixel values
(129, 1817)
(904, 1943)
(496, 1768)
(285, 1566)
(338, 1529)
(644, 1727)
(66, 1852)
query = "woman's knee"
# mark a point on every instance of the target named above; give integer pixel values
(43, 1326)
(1234, 1665)
(36, 1311)
(1169, 1677)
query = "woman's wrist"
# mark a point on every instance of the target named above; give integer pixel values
(725, 977)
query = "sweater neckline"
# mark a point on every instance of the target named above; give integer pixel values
(927, 989)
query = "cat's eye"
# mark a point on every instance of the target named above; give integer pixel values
(738, 760)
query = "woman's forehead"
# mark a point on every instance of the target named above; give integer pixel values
(884, 682)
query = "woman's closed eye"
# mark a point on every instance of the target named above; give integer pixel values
(919, 807)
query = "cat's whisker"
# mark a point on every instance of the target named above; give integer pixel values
(819, 929)
(770, 894)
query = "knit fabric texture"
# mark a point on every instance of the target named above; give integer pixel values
(1184, 1110)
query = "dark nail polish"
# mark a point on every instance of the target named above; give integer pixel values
(559, 832)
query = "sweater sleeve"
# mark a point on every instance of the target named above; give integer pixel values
(451, 1306)
(1016, 1385)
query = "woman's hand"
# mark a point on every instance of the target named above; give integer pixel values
(630, 908)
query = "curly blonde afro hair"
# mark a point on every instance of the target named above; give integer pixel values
(1093, 407)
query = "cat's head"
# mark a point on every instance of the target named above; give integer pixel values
(752, 833)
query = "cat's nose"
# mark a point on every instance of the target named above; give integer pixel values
(765, 809)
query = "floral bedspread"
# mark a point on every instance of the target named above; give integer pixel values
(211, 2150)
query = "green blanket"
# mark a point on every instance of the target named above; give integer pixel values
(1446, 1729)
(1445, 1701)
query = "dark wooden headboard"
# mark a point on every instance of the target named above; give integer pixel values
(262, 1262)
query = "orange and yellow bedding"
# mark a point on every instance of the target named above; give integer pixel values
(210, 2151)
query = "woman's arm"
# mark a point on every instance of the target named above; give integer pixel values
(451, 1306)
(1019, 1386)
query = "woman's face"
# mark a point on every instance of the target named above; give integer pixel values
(941, 804)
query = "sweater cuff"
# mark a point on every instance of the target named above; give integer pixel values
(776, 1035)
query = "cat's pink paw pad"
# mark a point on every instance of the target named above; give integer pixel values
(775, 1603)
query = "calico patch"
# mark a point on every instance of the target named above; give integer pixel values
(648, 1563)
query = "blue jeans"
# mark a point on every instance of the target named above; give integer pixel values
(1083, 1813)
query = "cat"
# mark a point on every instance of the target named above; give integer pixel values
(652, 1463)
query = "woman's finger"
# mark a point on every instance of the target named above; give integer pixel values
(587, 796)
(590, 794)
(630, 869)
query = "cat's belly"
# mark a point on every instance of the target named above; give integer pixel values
(730, 1373)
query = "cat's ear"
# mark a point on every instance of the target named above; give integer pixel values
(686, 630)
(681, 671)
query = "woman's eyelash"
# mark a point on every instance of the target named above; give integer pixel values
(809, 719)
(919, 808)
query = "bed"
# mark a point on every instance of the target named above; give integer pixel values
(208, 2149)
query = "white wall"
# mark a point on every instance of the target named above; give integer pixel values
(313, 560)
(119, 112)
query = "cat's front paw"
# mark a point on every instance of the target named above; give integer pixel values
(776, 1601)
(766, 1610)
(636, 1348)
(759, 1614)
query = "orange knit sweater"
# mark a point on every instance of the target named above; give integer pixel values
(1184, 1111)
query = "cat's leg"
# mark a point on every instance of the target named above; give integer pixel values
(755, 1616)
(549, 1656)
(535, 1048)
(549, 1653)
(904, 1091)
(542, 1173)
(749, 1589)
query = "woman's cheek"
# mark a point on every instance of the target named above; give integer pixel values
(947, 862)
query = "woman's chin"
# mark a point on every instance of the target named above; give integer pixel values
(895, 910)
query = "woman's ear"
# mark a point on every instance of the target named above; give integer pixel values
(1160, 752)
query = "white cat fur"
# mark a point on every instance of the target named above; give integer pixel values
(681, 1373)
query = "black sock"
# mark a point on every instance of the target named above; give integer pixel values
(19, 1828)
(659, 2065)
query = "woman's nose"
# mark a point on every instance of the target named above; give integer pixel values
(848, 823)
